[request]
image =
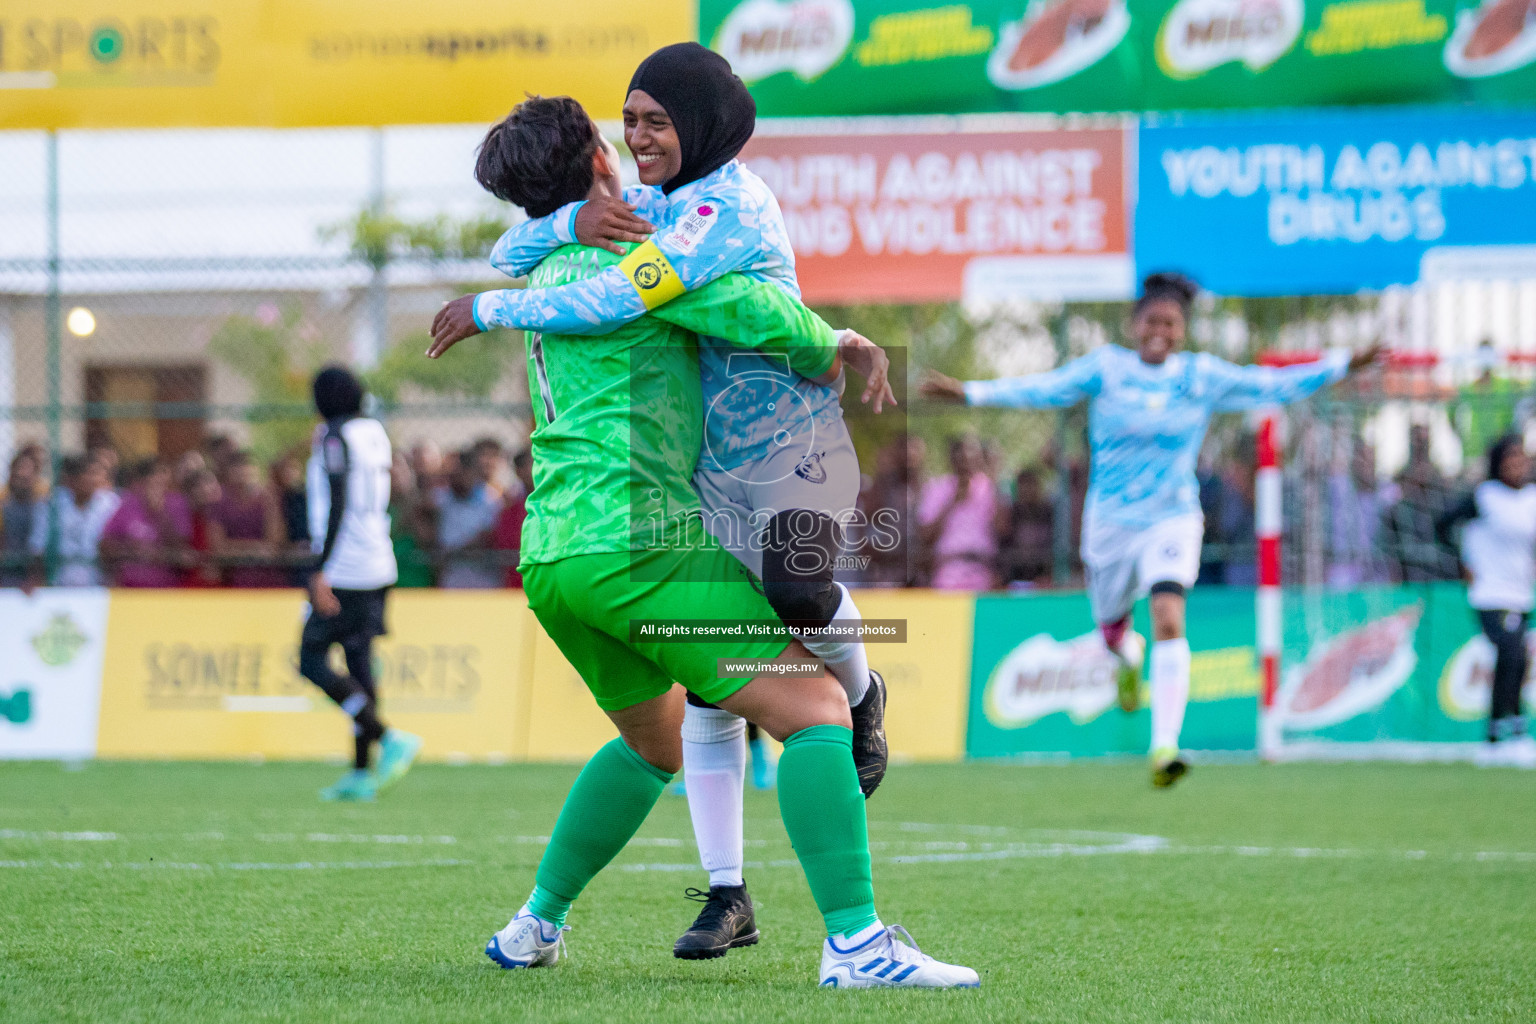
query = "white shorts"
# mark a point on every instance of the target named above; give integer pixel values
(822, 476)
(1129, 562)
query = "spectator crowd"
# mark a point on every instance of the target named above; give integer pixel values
(216, 518)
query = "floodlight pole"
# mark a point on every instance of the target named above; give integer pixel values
(53, 315)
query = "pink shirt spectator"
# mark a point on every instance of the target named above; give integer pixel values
(966, 548)
(133, 522)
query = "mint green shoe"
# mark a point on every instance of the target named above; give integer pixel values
(355, 786)
(397, 751)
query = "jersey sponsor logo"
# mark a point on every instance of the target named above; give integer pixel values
(811, 469)
(690, 231)
(649, 270)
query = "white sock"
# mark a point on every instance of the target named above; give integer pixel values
(859, 937)
(845, 659)
(1170, 691)
(714, 770)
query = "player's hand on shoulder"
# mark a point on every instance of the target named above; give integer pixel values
(606, 221)
(453, 323)
(869, 361)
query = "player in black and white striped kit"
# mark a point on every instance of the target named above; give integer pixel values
(348, 490)
(1498, 549)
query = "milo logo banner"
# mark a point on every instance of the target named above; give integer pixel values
(1466, 681)
(1042, 684)
(835, 57)
(1386, 664)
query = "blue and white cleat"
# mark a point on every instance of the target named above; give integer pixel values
(527, 941)
(886, 961)
(397, 751)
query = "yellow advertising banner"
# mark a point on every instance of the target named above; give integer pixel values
(308, 63)
(214, 674)
(929, 676)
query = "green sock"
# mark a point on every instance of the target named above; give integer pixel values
(823, 813)
(602, 812)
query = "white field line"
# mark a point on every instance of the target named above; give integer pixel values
(894, 843)
(306, 865)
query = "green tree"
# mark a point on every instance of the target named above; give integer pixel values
(279, 359)
(278, 362)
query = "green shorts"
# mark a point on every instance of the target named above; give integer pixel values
(586, 603)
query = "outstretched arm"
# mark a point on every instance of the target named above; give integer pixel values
(1239, 388)
(1064, 386)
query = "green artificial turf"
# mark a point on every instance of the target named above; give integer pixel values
(194, 892)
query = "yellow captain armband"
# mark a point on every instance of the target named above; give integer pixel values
(649, 270)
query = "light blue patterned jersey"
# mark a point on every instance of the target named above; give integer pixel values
(726, 221)
(1146, 423)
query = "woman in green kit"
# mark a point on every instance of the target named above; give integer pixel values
(613, 541)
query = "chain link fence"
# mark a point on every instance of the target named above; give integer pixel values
(1369, 465)
(166, 296)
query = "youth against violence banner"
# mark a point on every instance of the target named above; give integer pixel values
(937, 215)
(297, 63)
(837, 57)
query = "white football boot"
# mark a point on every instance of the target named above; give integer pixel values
(1515, 752)
(527, 941)
(886, 961)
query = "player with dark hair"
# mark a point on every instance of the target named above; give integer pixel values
(539, 157)
(619, 426)
(1498, 549)
(1142, 526)
(348, 486)
(778, 477)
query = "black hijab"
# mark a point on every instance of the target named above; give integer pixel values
(338, 393)
(709, 106)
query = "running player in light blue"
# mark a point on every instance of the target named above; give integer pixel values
(1142, 525)
(778, 476)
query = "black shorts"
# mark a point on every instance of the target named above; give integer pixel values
(361, 618)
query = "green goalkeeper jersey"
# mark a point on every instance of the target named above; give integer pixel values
(619, 418)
